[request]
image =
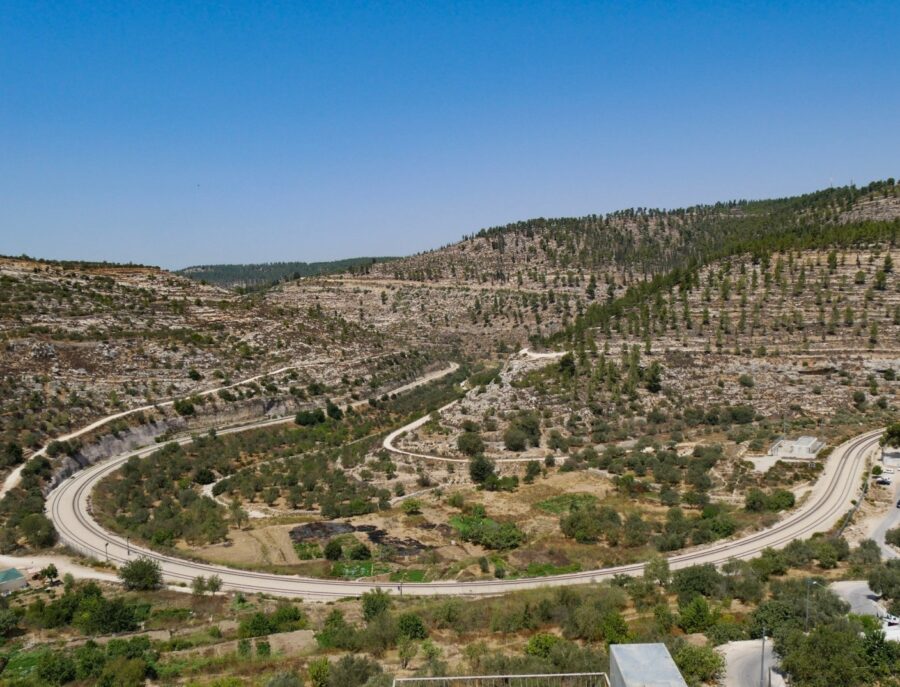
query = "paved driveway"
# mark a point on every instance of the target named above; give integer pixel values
(862, 600)
(890, 521)
(742, 664)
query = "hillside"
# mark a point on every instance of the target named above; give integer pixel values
(81, 341)
(808, 338)
(682, 344)
(496, 290)
(268, 273)
(795, 325)
(629, 245)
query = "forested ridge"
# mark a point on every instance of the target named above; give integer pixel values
(650, 241)
(268, 273)
(632, 245)
(802, 223)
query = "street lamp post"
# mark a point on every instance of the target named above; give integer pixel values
(809, 583)
(106, 545)
(762, 659)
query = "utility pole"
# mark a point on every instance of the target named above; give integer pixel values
(806, 622)
(809, 583)
(762, 660)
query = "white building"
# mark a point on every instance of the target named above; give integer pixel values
(802, 448)
(643, 665)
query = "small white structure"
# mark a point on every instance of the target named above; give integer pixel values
(643, 665)
(803, 448)
(891, 632)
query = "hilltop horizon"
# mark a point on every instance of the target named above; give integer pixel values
(341, 258)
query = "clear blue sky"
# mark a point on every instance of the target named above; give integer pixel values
(182, 133)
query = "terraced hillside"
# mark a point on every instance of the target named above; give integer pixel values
(630, 245)
(810, 338)
(84, 340)
(796, 331)
(505, 286)
(257, 276)
(681, 344)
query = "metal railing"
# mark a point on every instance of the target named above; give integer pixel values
(534, 680)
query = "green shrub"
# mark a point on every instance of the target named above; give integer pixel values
(55, 668)
(411, 626)
(333, 411)
(695, 615)
(141, 573)
(183, 406)
(699, 664)
(481, 469)
(514, 439)
(243, 648)
(359, 552)
(586, 523)
(892, 536)
(333, 550)
(412, 506)
(308, 418)
(285, 679)
(703, 580)
(758, 501)
(375, 603)
(470, 443)
(486, 532)
(337, 633)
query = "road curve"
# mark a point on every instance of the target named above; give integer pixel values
(389, 440)
(15, 477)
(68, 506)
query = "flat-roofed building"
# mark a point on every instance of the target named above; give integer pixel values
(11, 580)
(802, 448)
(643, 665)
(890, 455)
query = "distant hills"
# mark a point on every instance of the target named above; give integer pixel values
(633, 245)
(265, 274)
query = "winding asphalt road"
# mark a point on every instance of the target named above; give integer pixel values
(389, 440)
(15, 477)
(68, 506)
